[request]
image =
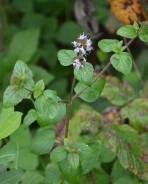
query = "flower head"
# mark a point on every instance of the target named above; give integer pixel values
(78, 62)
(82, 45)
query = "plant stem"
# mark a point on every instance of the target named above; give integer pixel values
(104, 69)
(69, 106)
(63, 101)
(134, 63)
(32, 100)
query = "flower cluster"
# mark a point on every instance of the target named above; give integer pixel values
(82, 47)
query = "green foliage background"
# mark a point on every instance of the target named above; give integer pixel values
(34, 31)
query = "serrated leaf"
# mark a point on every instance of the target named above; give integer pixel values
(116, 92)
(128, 146)
(84, 151)
(127, 31)
(45, 121)
(143, 33)
(47, 104)
(85, 74)
(69, 145)
(43, 141)
(91, 93)
(137, 114)
(38, 88)
(30, 118)
(73, 160)
(12, 96)
(22, 71)
(58, 154)
(66, 57)
(9, 153)
(13, 176)
(89, 162)
(71, 175)
(122, 62)
(9, 123)
(106, 45)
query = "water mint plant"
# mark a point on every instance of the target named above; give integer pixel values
(90, 139)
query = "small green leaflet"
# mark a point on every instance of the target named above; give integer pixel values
(91, 93)
(58, 154)
(30, 118)
(43, 142)
(106, 45)
(47, 104)
(9, 154)
(122, 62)
(127, 31)
(66, 57)
(9, 122)
(85, 74)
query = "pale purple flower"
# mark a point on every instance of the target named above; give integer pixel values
(77, 64)
(82, 45)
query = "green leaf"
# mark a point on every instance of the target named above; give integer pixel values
(84, 151)
(143, 33)
(122, 62)
(45, 121)
(127, 179)
(43, 141)
(71, 175)
(99, 176)
(106, 155)
(32, 178)
(52, 172)
(22, 137)
(85, 74)
(9, 153)
(9, 122)
(12, 176)
(118, 172)
(137, 114)
(73, 160)
(88, 125)
(12, 96)
(127, 31)
(30, 118)
(47, 104)
(66, 57)
(106, 45)
(89, 162)
(69, 145)
(38, 88)
(27, 41)
(22, 71)
(29, 164)
(129, 147)
(58, 154)
(91, 93)
(118, 93)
